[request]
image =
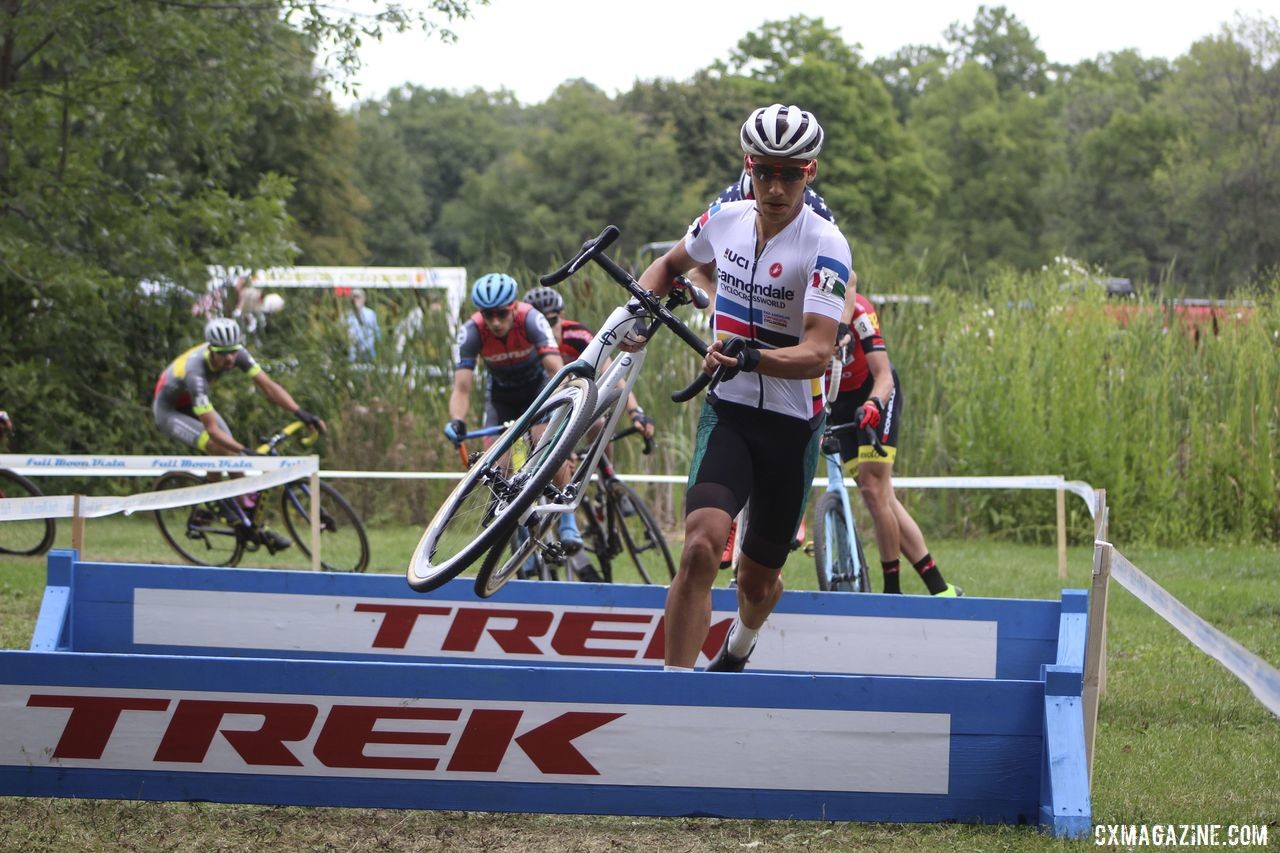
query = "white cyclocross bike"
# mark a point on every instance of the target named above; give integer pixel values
(511, 483)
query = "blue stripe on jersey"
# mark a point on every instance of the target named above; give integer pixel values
(736, 309)
(835, 266)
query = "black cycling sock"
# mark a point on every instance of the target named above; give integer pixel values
(890, 568)
(930, 574)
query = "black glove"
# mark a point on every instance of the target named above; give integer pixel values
(639, 418)
(748, 359)
(455, 429)
(307, 418)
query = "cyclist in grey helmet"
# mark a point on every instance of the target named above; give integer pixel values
(181, 404)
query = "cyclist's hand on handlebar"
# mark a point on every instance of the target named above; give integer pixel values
(871, 415)
(455, 429)
(632, 341)
(310, 420)
(642, 422)
(747, 359)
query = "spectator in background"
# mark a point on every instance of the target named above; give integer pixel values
(362, 329)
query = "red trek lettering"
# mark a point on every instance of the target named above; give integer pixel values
(577, 628)
(92, 720)
(350, 728)
(550, 745)
(196, 721)
(657, 649)
(470, 624)
(398, 621)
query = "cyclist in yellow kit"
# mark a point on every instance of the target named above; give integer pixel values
(183, 410)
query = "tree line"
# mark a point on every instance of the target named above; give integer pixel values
(142, 142)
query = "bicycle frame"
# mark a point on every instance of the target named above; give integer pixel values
(835, 484)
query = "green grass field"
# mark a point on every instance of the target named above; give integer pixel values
(1180, 741)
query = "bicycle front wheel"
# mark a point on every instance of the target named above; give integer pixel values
(640, 533)
(501, 486)
(841, 565)
(344, 547)
(27, 537)
(501, 564)
(199, 532)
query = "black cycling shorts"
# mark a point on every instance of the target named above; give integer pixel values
(744, 452)
(501, 406)
(845, 410)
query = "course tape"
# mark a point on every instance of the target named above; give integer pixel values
(102, 465)
(1258, 675)
(63, 506)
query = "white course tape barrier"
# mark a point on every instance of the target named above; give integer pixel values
(265, 472)
(1258, 675)
(97, 465)
(1047, 482)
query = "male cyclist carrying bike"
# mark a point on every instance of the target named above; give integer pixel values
(520, 354)
(183, 410)
(871, 396)
(781, 273)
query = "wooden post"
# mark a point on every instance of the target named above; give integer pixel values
(77, 527)
(1102, 532)
(315, 520)
(1062, 534)
(1095, 646)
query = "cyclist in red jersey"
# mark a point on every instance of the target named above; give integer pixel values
(520, 355)
(572, 338)
(871, 395)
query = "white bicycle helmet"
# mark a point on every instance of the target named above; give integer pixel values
(223, 332)
(781, 131)
(545, 299)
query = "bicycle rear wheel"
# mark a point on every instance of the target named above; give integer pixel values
(27, 537)
(640, 533)
(344, 547)
(501, 486)
(840, 567)
(199, 532)
(502, 563)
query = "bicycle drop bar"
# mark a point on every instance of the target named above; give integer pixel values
(862, 436)
(593, 250)
(648, 442)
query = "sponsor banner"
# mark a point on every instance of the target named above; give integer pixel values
(550, 632)
(511, 740)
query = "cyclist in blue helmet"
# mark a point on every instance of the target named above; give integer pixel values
(519, 353)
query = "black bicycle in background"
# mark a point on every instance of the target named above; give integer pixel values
(26, 537)
(614, 520)
(219, 532)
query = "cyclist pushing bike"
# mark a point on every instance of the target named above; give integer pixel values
(870, 395)
(781, 273)
(520, 353)
(183, 410)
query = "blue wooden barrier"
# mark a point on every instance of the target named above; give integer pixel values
(118, 700)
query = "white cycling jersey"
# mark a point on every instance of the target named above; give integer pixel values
(802, 270)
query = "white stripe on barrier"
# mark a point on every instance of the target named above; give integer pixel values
(62, 506)
(1258, 675)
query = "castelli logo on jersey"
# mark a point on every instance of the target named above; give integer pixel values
(775, 270)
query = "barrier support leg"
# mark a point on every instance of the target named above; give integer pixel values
(77, 526)
(1103, 533)
(1095, 646)
(1062, 534)
(315, 521)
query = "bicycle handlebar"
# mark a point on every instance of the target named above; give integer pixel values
(862, 433)
(268, 445)
(593, 250)
(648, 442)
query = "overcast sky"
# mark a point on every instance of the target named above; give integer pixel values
(531, 46)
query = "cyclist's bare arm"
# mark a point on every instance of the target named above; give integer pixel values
(657, 277)
(882, 372)
(276, 393)
(705, 278)
(552, 362)
(221, 442)
(460, 399)
(808, 359)
(850, 299)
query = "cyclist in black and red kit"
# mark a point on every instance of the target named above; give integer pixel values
(573, 337)
(871, 396)
(520, 354)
